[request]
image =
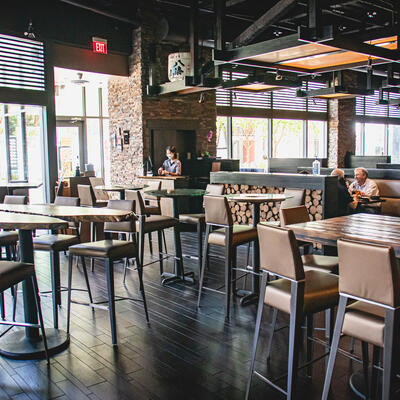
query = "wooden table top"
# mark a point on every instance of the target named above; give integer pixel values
(119, 188)
(257, 197)
(70, 213)
(176, 193)
(372, 228)
(30, 222)
(21, 185)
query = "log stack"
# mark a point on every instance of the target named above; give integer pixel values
(242, 212)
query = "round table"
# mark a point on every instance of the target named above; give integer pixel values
(120, 189)
(27, 343)
(175, 194)
(250, 297)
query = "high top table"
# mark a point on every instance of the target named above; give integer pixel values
(27, 343)
(250, 297)
(27, 218)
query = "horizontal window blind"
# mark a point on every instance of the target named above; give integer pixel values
(21, 63)
(284, 99)
(394, 111)
(367, 106)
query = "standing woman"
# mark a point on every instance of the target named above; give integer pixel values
(171, 166)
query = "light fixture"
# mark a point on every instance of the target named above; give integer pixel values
(201, 98)
(79, 81)
(335, 92)
(30, 32)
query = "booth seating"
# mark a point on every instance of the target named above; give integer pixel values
(389, 191)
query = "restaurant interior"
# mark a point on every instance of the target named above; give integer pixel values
(200, 199)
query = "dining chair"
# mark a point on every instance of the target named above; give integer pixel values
(200, 219)
(295, 198)
(369, 281)
(13, 199)
(228, 235)
(88, 198)
(100, 195)
(296, 292)
(73, 202)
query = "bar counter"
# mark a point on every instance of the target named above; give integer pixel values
(321, 191)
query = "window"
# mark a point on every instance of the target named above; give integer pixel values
(374, 139)
(316, 139)
(287, 138)
(222, 137)
(250, 141)
(394, 143)
(359, 139)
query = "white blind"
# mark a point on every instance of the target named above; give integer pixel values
(21, 63)
(367, 106)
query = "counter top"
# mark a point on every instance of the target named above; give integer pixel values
(160, 177)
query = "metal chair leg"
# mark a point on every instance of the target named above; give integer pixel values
(150, 243)
(374, 376)
(160, 251)
(141, 288)
(309, 342)
(55, 284)
(111, 299)
(203, 267)
(234, 265)
(272, 330)
(14, 292)
(39, 312)
(70, 260)
(365, 361)
(2, 307)
(200, 244)
(228, 271)
(257, 332)
(335, 344)
(86, 279)
(165, 242)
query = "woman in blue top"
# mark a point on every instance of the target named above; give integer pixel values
(171, 166)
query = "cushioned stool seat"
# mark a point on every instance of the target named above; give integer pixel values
(112, 249)
(8, 238)
(157, 222)
(316, 262)
(241, 234)
(192, 218)
(54, 242)
(320, 292)
(12, 273)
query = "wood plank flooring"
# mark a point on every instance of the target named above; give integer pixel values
(184, 353)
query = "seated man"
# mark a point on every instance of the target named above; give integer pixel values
(345, 201)
(366, 186)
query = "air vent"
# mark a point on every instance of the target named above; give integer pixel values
(21, 63)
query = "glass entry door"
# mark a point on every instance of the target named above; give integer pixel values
(70, 148)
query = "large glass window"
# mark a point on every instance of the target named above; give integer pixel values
(316, 139)
(287, 137)
(394, 143)
(222, 137)
(374, 140)
(250, 141)
(359, 139)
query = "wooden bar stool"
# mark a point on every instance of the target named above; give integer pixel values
(200, 219)
(218, 214)
(369, 275)
(109, 251)
(297, 292)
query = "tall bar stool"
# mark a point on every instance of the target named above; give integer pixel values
(109, 251)
(12, 273)
(100, 195)
(297, 292)
(200, 219)
(153, 223)
(218, 214)
(369, 275)
(296, 215)
(69, 201)
(88, 198)
(14, 199)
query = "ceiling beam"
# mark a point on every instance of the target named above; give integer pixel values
(262, 23)
(231, 3)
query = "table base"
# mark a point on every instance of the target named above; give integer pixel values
(247, 297)
(168, 277)
(17, 346)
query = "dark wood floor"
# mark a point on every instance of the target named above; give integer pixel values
(184, 353)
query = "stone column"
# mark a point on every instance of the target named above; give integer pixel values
(341, 130)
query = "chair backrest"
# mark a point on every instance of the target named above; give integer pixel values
(98, 193)
(3, 193)
(123, 226)
(215, 166)
(12, 199)
(86, 195)
(369, 271)
(138, 203)
(151, 185)
(279, 252)
(297, 199)
(217, 210)
(60, 188)
(214, 190)
(67, 201)
(293, 215)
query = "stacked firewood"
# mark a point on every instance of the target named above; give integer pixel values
(242, 212)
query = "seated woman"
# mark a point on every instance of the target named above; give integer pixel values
(171, 166)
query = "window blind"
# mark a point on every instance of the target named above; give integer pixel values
(367, 106)
(21, 63)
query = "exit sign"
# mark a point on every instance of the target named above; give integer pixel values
(99, 45)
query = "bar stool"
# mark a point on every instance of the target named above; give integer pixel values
(230, 236)
(88, 198)
(374, 317)
(100, 195)
(296, 215)
(69, 201)
(14, 199)
(297, 292)
(153, 223)
(200, 219)
(109, 251)
(12, 273)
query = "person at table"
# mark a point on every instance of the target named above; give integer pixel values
(171, 166)
(345, 202)
(362, 184)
